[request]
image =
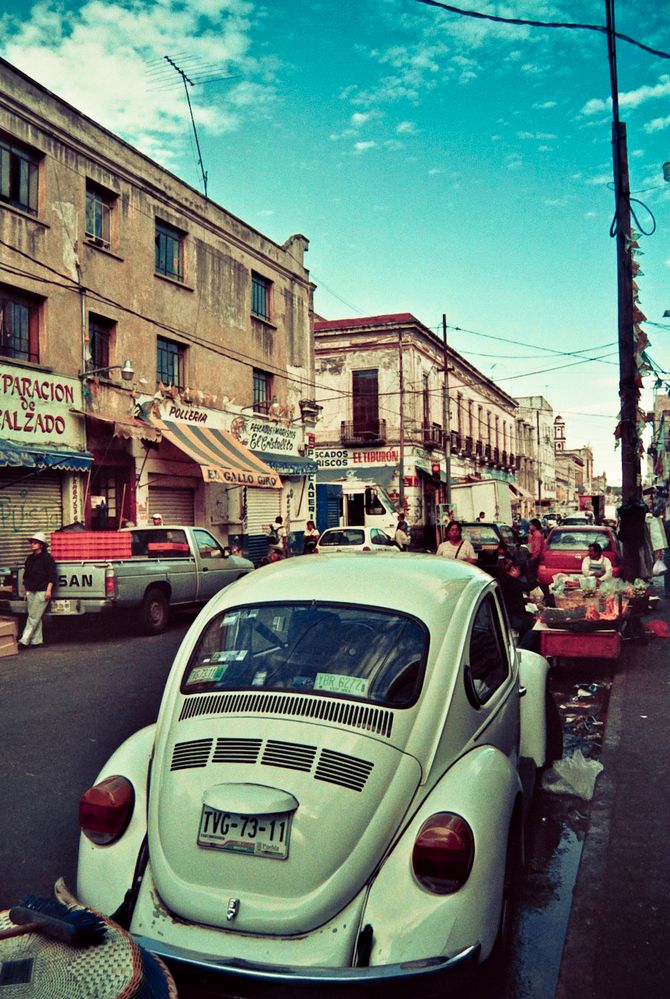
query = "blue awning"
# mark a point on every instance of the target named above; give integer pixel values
(381, 475)
(13, 455)
(288, 464)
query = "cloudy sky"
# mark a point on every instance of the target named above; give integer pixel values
(437, 163)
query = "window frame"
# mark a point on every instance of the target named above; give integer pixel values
(170, 349)
(261, 400)
(28, 345)
(478, 695)
(100, 334)
(261, 297)
(166, 238)
(14, 157)
(365, 404)
(101, 233)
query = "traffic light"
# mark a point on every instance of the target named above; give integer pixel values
(435, 471)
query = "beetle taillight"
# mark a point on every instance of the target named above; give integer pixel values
(106, 809)
(366, 548)
(443, 853)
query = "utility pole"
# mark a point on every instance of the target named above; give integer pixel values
(446, 428)
(401, 434)
(632, 510)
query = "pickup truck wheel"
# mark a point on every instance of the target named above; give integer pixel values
(154, 612)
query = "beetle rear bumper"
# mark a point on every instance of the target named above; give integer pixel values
(425, 977)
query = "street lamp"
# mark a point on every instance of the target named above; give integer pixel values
(126, 369)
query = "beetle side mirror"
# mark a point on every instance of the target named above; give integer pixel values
(226, 552)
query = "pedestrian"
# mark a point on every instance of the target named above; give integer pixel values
(595, 563)
(514, 589)
(277, 538)
(157, 519)
(401, 536)
(456, 546)
(39, 580)
(536, 546)
(481, 517)
(310, 538)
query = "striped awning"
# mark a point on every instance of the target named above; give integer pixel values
(221, 457)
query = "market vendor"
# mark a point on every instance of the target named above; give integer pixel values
(595, 563)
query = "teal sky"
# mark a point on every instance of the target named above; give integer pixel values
(437, 164)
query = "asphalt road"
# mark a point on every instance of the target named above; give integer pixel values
(64, 708)
(67, 706)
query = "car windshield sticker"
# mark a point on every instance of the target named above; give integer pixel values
(205, 674)
(278, 623)
(230, 619)
(338, 684)
(229, 656)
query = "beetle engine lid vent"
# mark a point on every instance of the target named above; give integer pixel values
(347, 771)
(187, 755)
(376, 721)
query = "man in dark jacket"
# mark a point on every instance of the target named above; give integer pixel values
(39, 580)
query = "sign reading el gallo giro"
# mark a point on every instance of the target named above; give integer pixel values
(36, 407)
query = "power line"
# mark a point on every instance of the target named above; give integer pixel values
(524, 22)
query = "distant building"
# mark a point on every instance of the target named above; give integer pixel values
(390, 414)
(107, 258)
(538, 416)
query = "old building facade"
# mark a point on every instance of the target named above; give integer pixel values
(394, 413)
(155, 352)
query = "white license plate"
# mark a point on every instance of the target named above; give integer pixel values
(256, 835)
(61, 607)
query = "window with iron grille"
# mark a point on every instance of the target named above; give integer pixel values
(262, 391)
(99, 205)
(100, 331)
(169, 251)
(18, 176)
(19, 326)
(170, 363)
(260, 296)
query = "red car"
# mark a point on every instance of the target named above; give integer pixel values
(567, 547)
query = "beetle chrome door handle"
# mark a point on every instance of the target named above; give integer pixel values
(523, 691)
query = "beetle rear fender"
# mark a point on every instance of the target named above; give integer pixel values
(408, 921)
(533, 670)
(104, 873)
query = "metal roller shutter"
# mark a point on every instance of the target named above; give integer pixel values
(176, 506)
(262, 507)
(27, 503)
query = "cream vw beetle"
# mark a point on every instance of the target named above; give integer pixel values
(332, 791)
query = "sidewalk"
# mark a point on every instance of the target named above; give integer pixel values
(619, 929)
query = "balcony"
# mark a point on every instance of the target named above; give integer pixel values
(496, 456)
(371, 432)
(467, 447)
(455, 441)
(518, 461)
(262, 407)
(432, 435)
(479, 449)
(512, 461)
(487, 452)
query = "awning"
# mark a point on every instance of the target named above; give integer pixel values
(426, 467)
(130, 427)
(381, 475)
(29, 456)
(520, 491)
(288, 464)
(221, 457)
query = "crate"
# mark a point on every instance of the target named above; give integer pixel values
(574, 645)
(8, 627)
(77, 545)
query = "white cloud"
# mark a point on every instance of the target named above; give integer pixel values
(362, 147)
(107, 59)
(544, 106)
(657, 125)
(406, 128)
(630, 99)
(359, 118)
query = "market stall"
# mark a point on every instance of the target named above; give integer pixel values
(589, 617)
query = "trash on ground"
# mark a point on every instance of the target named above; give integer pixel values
(657, 628)
(573, 775)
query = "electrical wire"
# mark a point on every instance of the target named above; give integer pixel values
(526, 22)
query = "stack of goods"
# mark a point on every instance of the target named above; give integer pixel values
(75, 545)
(583, 603)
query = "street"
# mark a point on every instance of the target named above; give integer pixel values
(67, 706)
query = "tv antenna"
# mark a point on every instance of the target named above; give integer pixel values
(189, 83)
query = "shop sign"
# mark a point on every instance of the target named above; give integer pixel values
(35, 408)
(259, 435)
(343, 457)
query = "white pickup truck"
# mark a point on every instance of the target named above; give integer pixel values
(170, 566)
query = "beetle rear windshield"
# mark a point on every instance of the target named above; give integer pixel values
(325, 649)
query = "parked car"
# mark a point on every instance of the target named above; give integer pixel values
(577, 520)
(168, 566)
(489, 541)
(332, 793)
(567, 546)
(351, 539)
